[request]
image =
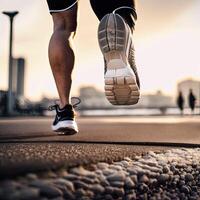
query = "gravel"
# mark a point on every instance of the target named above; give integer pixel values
(172, 174)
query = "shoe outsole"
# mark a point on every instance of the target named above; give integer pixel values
(67, 127)
(122, 90)
(111, 33)
(119, 90)
(66, 131)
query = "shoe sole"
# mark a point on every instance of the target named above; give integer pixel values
(66, 131)
(120, 84)
(66, 127)
(122, 90)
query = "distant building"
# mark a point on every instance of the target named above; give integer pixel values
(155, 100)
(93, 98)
(3, 102)
(187, 84)
(18, 77)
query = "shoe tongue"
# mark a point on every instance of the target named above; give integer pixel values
(66, 107)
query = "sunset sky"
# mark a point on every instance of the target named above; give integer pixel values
(167, 43)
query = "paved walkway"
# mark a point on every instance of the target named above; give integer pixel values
(28, 144)
(107, 129)
(30, 149)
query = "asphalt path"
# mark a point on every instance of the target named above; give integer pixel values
(29, 145)
(106, 130)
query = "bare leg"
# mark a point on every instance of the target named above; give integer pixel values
(61, 55)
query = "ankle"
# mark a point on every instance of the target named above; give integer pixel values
(63, 104)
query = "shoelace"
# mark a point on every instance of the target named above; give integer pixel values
(122, 7)
(53, 107)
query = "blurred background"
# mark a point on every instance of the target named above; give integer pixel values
(167, 43)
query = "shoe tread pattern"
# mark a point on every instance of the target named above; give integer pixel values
(119, 90)
(111, 34)
(122, 90)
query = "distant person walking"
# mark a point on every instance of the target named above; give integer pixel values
(191, 100)
(180, 102)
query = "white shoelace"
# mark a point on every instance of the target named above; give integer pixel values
(122, 7)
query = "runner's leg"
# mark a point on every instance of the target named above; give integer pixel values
(122, 85)
(61, 55)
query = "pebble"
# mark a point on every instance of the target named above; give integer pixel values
(118, 192)
(66, 192)
(58, 198)
(80, 193)
(89, 180)
(109, 190)
(131, 196)
(129, 184)
(23, 194)
(71, 177)
(163, 178)
(116, 177)
(108, 197)
(143, 187)
(189, 177)
(98, 172)
(108, 171)
(194, 188)
(166, 169)
(80, 184)
(144, 179)
(173, 174)
(131, 171)
(31, 176)
(118, 184)
(29, 193)
(134, 178)
(128, 159)
(181, 182)
(46, 190)
(185, 189)
(116, 167)
(82, 172)
(153, 175)
(97, 188)
(62, 173)
(125, 163)
(103, 181)
(90, 193)
(51, 174)
(68, 184)
(151, 163)
(10, 184)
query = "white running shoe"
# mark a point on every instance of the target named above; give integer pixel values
(121, 79)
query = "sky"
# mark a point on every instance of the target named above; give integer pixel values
(166, 39)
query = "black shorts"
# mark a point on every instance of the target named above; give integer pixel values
(100, 8)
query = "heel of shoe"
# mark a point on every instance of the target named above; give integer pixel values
(122, 90)
(121, 87)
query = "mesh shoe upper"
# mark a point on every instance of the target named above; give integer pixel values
(66, 113)
(131, 59)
